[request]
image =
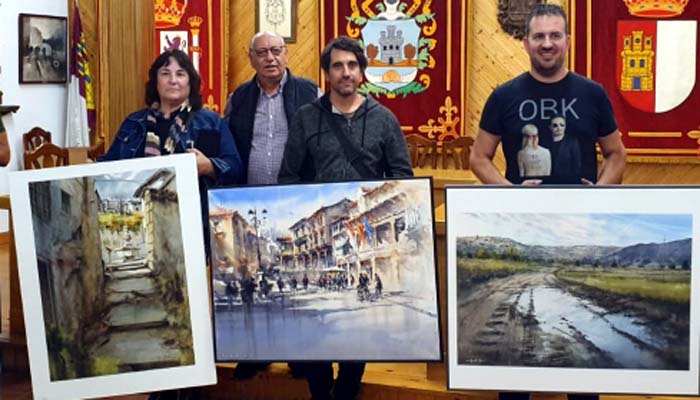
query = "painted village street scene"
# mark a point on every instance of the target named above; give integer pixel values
(574, 290)
(112, 273)
(333, 271)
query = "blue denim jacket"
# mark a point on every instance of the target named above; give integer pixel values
(129, 143)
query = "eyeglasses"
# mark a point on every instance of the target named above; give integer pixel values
(274, 50)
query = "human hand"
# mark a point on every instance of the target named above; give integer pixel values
(585, 181)
(532, 182)
(204, 165)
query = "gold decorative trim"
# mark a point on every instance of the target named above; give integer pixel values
(322, 33)
(446, 127)
(589, 45)
(466, 44)
(664, 151)
(414, 7)
(449, 47)
(664, 160)
(655, 134)
(211, 104)
(210, 35)
(225, 55)
(572, 30)
(335, 19)
(352, 32)
(366, 9)
(694, 134)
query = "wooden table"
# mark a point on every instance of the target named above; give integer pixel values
(77, 155)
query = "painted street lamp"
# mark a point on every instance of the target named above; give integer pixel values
(258, 218)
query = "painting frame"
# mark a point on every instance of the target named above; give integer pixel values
(285, 18)
(344, 251)
(164, 183)
(38, 53)
(471, 206)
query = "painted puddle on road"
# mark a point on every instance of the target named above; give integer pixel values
(558, 311)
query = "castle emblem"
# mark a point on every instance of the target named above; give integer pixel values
(656, 60)
(397, 44)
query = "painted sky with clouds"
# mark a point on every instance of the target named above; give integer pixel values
(121, 186)
(576, 229)
(285, 205)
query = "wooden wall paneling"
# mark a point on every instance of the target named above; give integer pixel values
(126, 52)
(662, 174)
(303, 56)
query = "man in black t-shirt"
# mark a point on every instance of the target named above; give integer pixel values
(552, 108)
(545, 97)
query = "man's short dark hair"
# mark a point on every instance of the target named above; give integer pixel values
(540, 10)
(347, 44)
(185, 63)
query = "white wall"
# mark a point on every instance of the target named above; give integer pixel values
(41, 105)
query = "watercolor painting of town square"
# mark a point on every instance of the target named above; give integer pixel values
(111, 292)
(336, 271)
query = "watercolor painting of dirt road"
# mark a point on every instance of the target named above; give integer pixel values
(574, 290)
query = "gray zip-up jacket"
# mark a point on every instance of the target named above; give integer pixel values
(373, 128)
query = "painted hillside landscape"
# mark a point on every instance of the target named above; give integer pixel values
(574, 290)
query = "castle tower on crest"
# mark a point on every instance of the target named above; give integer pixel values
(390, 44)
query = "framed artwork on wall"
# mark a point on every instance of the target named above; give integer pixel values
(573, 289)
(113, 277)
(277, 16)
(336, 271)
(43, 49)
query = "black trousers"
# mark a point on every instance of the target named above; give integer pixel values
(178, 394)
(526, 396)
(319, 375)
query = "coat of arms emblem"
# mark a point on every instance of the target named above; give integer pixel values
(512, 15)
(397, 42)
(656, 60)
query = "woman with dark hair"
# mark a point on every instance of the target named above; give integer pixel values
(175, 122)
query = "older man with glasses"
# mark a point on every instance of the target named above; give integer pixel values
(259, 111)
(258, 114)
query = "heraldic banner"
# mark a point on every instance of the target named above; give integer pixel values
(416, 52)
(197, 29)
(644, 52)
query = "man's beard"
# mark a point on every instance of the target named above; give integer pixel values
(345, 91)
(547, 71)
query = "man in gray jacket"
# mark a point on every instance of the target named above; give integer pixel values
(377, 147)
(346, 136)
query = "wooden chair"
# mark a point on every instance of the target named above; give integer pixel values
(45, 156)
(421, 150)
(459, 149)
(35, 138)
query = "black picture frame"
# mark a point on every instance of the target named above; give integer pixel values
(43, 49)
(288, 280)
